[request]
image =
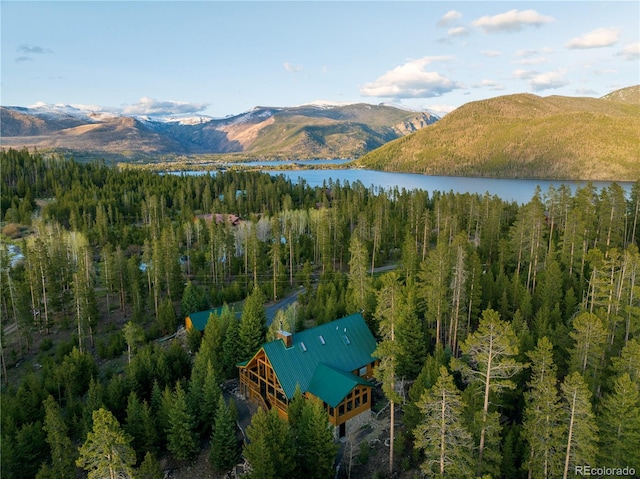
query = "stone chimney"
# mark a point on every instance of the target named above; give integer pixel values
(287, 338)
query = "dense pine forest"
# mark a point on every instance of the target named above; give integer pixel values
(508, 335)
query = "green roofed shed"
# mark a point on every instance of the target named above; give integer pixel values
(200, 319)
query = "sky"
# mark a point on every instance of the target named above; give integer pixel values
(221, 58)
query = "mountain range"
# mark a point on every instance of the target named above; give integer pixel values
(317, 130)
(510, 136)
(525, 136)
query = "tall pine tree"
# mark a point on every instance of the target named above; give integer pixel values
(619, 423)
(490, 364)
(582, 431)
(442, 437)
(543, 428)
(225, 450)
(107, 453)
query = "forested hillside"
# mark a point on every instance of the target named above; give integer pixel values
(525, 136)
(508, 335)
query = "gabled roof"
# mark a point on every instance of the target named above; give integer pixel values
(332, 385)
(323, 357)
(201, 318)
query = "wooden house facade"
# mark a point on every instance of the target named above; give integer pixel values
(332, 363)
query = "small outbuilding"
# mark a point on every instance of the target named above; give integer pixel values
(199, 320)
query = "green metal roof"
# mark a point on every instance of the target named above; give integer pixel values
(323, 356)
(332, 385)
(201, 318)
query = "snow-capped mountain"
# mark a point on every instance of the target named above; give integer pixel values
(319, 129)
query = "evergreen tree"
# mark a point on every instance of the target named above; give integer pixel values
(590, 337)
(231, 352)
(313, 438)
(434, 279)
(95, 400)
(133, 334)
(30, 451)
(582, 431)
(252, 330)
(359, 287)
(106, 453)
(388, 313)
(190, 300)
(150, 468)
(490, 354)
(225, 450)
(63, 453)
(628, 362)
(410, 335)
(441, 435)
(140, 425)
(425, 380)
(167, 320)
(181, 440)
(270, 450)
(543, 429)
(619, 424)
(211, 394)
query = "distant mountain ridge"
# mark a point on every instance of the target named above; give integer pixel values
(525, 136)
(306, 131)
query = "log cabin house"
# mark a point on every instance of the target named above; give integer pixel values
(332, 363)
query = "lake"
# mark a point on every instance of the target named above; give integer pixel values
(520, 191)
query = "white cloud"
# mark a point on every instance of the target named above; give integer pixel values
(548, 80)
(586, 92)
(631, 51)
(292, 68)
(457, 32)
(532, 53)
(601, 37)
(524, 74)
(511, 21)
(532, 61)
(411, 80)
(441, 108)
(491, 85)
(149, 106)
(449, 18)
(27, 49)
(491, 53)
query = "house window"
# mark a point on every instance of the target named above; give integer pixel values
(365, 398)
(362, 371)
(357, 403)
(322, 341)
(341, 410)
(346, 339)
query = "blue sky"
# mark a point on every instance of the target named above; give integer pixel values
(221, 58)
